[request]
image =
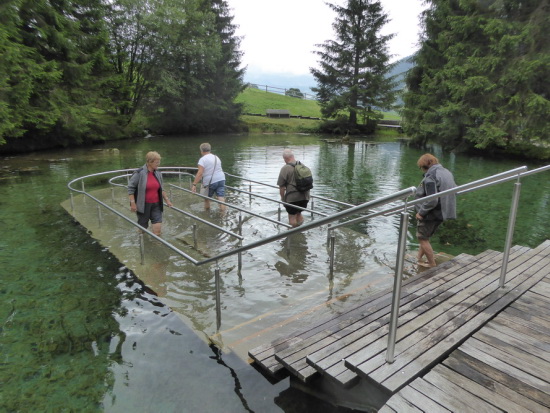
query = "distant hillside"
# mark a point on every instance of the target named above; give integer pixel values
(306, 82)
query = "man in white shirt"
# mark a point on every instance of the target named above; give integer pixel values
(212, 176)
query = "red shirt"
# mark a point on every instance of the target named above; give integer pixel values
(152, 189)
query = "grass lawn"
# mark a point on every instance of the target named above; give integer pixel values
(257, 101)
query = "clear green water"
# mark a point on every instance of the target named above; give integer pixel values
(78, 332)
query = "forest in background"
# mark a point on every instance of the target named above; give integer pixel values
(80, 71)
(480, 79)
(74, 72)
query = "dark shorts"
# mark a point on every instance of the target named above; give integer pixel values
(294, 211)
(217, 188)
(152, 212)
(426, 228)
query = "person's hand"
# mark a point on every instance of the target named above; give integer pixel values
(419, 217)
(169, 203)
(133, 207)
(194, 188)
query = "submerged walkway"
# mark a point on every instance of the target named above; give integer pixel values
(453, 314)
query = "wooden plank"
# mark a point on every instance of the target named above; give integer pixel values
(457, 392)
(492, 396)
(526, 319)
(400, 404)
(514, 357)
(443, 398)
(534, 296)
(332, 364)
(535, 309)
(372, 345)
(504, 337)
(343, 373)
(543, 288)
(422, 401)
(507, 367)
(350, 330)
(419, 343)
(428, 358)
(494, 380)
(376, 309)
(502, 322)
(386, 409)
(264, 355)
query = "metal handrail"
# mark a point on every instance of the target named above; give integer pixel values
(196, 218)
(232, 206)
(314, 224)
(276, 187)
(277, 201)
(481, 183)
(516, 173)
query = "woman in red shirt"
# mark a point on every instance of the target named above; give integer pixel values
(146, 193)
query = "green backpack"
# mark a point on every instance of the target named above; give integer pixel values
(303, 177)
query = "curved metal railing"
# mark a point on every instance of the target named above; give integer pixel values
(402, 210)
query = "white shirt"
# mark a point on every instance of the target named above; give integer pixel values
(207, 162)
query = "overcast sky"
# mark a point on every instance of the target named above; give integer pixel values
(280, 36)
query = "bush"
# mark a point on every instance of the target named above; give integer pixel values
(295, 93)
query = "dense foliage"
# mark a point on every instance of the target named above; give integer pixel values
(76, 71)
(353, 75)
(481, 76)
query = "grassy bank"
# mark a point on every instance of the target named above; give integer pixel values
(256, 101)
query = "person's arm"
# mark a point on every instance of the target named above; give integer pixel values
(282, 191)
(198, 178)
(166, 199)
(430, 188)
(132, 186)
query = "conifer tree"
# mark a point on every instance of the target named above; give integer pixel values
(51, 65)
(352, 77)
(481, 75)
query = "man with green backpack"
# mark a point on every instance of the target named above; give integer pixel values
(294, 183)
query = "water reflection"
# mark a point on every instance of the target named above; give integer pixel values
(294, 254)
(81, 333)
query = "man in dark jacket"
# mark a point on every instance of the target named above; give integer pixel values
(432, 213)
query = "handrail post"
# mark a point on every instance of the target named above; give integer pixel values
(240, 260)
(72, 203)
(332, 244)
(240, 223)
(510, 232)
(250, 194)
(99, 215)
(397, 284)
(195, 236)
(218, 298)
(141, 247)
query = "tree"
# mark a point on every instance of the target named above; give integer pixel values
(481, 75)
(52, 68)
(179, 64)
(294, 92)
(352, 77)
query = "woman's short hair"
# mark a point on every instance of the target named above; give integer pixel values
(152, 156)
(427, 160)
(205, 147)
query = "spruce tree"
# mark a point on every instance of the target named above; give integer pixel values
(353, 74)
(481, 76)
(53, 64)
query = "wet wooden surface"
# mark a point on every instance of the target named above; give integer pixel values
(449, 310)
(505, 366)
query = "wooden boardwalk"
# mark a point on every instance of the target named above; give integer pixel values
(441, 318)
